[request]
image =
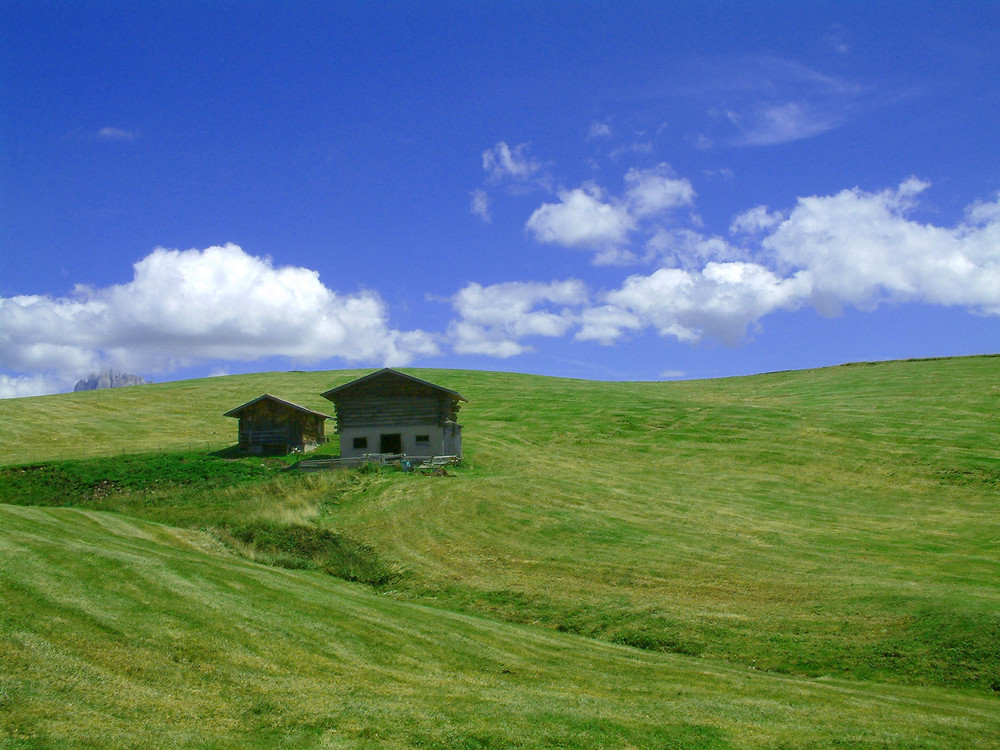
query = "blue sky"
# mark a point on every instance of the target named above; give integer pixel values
(619, 190)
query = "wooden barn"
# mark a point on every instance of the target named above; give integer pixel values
(390, 412)
(269, 424)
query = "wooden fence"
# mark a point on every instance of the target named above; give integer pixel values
(407, 463)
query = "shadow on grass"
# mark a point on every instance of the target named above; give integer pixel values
(231, 452)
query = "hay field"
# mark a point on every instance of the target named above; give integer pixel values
(802, 559)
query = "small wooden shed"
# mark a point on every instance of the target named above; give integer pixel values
(391, 412)
(269, 424)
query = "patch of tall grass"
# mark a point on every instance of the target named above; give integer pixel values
(301, 546)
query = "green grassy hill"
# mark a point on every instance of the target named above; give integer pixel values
(803, 559)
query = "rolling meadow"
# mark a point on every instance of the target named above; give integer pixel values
(790, 560)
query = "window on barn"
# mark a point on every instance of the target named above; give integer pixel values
(360, 443)
(423, 439)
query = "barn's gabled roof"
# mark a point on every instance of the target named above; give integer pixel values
(388, 372)
(267, 396)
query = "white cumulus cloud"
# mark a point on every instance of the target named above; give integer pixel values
(862, 249)
(32, 385)
(184, 307)
(690, 249)
(653, 191)
(854, 248)
(493, 319)
(590, 219)
(583, 219)
(757, 219)
(721, 301)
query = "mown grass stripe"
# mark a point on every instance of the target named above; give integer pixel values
(223, 652)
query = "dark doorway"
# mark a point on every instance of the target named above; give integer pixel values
(390, 443)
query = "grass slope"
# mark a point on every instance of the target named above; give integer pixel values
(180, 415)
(837, 523)
(123, 633)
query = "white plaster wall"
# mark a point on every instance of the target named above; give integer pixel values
(409, 437)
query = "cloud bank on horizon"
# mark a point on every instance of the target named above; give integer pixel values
(854, 248)
(192, 306)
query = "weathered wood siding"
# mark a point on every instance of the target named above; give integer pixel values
(272, 423)
(382, 411)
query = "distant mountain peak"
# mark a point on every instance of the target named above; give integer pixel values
(109, 379)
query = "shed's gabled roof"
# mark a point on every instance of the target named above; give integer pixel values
(389, 372)
(239, 409)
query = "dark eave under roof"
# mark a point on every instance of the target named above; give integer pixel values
(236, 412)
